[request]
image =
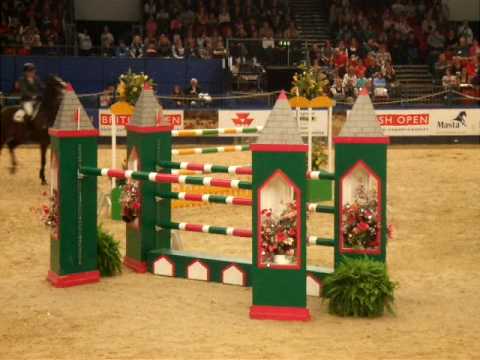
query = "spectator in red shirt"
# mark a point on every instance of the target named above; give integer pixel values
(151, 27)
(360, 69)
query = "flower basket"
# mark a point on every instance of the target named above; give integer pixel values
(130, 202)
(279, 235)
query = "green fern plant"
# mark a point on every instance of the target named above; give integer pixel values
(360, 288)
(108, 254)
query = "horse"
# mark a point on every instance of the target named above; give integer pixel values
(13, 134)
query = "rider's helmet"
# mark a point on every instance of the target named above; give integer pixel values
(29, 67)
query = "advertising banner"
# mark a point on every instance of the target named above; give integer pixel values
(253, 118)
(105, 118)
(429, 122)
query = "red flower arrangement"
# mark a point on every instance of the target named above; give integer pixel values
(130, 201)
(279, 233)
(49, 213)
(360, 224)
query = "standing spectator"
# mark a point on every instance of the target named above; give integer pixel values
(150, 7)
(84, 43)
(466, 32)
(451, 40)
(136, 47)
(106, 41)
(224, 16)
(462, 50)
(151, 27)
(163, 18)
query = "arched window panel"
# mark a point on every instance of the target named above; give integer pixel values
(279, 223)
(360, 212)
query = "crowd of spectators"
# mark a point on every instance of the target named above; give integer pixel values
(199, 28)
(29, 27)
(369, 39)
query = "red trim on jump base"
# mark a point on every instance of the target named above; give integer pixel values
(278, 148)
(72, 133)
(282, 313)
(362, 140)
(62, 281)
(135, 265)
(149, 129)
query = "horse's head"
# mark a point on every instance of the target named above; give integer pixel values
(52, 96)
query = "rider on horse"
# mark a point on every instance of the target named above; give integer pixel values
(30, 91)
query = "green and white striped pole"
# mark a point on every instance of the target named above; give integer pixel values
(215, 132)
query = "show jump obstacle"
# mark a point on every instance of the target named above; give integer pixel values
(277, 271)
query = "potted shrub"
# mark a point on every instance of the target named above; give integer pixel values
(108, 254)
(359, 287)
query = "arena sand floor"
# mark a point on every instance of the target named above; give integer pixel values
(434, 205)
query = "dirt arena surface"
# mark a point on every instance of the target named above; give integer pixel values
(434, 205)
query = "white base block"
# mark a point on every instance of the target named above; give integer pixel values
(234, 276)
(162, 266)
(197, 271)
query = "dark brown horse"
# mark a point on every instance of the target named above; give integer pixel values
(14, 133)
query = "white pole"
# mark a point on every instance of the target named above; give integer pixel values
(309, 138)
(114, 146)
(330, 150)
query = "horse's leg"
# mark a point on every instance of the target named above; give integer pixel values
(43, 157)
(13, 159)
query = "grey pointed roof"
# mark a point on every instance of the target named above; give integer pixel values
(148, 110)
(71, 114)
(281, 127)
(362, 121)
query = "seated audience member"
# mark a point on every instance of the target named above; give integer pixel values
(193, 90)
(350, 83)
(178, 50)
(151, 49)
(177, 92)
(337, 90)
(164, 46)
(122, 49)
(450, 80)
(379, 85)
(441, 66)
(84, 43)
(136, 47)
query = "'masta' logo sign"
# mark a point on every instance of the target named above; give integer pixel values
(457, 122)
(403, 119)
(242, 119)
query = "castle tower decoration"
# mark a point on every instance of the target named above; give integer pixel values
(73, 239)
(361, 170)
(278, 260)
(148, 142)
